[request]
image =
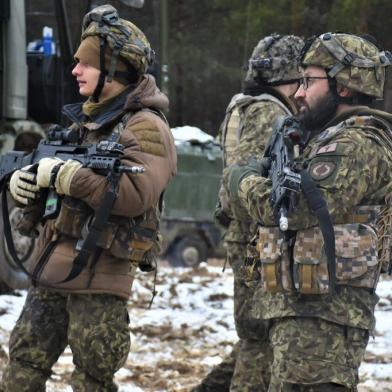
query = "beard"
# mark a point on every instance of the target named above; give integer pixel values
(314, 119)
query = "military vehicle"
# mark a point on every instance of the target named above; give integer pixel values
(34, 86)
(189, 232)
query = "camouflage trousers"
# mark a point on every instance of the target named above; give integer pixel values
(94, 325)
(247, 369)
(312, 354)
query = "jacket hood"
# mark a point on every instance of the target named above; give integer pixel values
(146, 95)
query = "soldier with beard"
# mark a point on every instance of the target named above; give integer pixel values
(270, 84)
(318, 333)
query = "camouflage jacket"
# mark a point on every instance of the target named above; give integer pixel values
(257, 121)
(352, 167)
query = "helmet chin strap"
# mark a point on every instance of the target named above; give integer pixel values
(101, 81)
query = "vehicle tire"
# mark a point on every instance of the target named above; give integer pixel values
(187, 252)
(11, 275)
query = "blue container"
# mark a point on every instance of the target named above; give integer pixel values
(47, 41)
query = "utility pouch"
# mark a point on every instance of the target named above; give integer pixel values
(121, 239)
(356, 258)
(145, 244)
(108, 234)
(274, 261)
(149, 261)
(30, 219)
(310, 271)
(72, 217)
(139, 245)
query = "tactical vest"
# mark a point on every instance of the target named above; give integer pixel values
(233, 123)
(362, 238)
(230, 135)
(134, 239)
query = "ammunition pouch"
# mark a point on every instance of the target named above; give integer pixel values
(356, 258)
(72, 217)
(275, 273)
(126, 239)
(300, 264)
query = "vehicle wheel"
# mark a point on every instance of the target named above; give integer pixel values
(187, 252)
(10, 274)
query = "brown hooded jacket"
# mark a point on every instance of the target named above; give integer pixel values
(149, 143)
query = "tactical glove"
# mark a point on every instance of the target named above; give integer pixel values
(65, 176)
(23, 186)
(63, 172)
(237, 173)
(44, 171)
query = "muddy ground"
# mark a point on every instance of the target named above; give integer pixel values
(187, 330)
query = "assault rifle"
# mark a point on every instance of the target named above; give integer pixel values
(286, 144)
(283, 147)
(103, 157)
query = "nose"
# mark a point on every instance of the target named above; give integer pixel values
(301, 92)
(76, 70)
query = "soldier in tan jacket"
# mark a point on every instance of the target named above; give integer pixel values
(82, 301)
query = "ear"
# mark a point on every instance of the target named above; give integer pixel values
(343, 91)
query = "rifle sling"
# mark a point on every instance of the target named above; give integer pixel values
(8, 233)
(90, 243)
(318, 206)
(89, 247)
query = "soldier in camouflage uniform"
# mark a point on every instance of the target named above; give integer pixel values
(271, 81)
(318, 335)
(87, 309)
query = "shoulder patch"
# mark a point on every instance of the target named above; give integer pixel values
(321, 170)
(326, 149)
(149, 138)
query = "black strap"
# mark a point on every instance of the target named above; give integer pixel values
(8, 234)
(90, 243)
(318, 206)
(42, 262)
(102, 75)
(93, 263)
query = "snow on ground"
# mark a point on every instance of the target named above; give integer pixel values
(189, 133)
(187, 330)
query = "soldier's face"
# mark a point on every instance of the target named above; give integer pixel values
(317, 104)
(314, 87)
(86, 77)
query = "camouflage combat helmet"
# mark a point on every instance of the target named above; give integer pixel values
(123, 37)
(353, 61)
(275, 60)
